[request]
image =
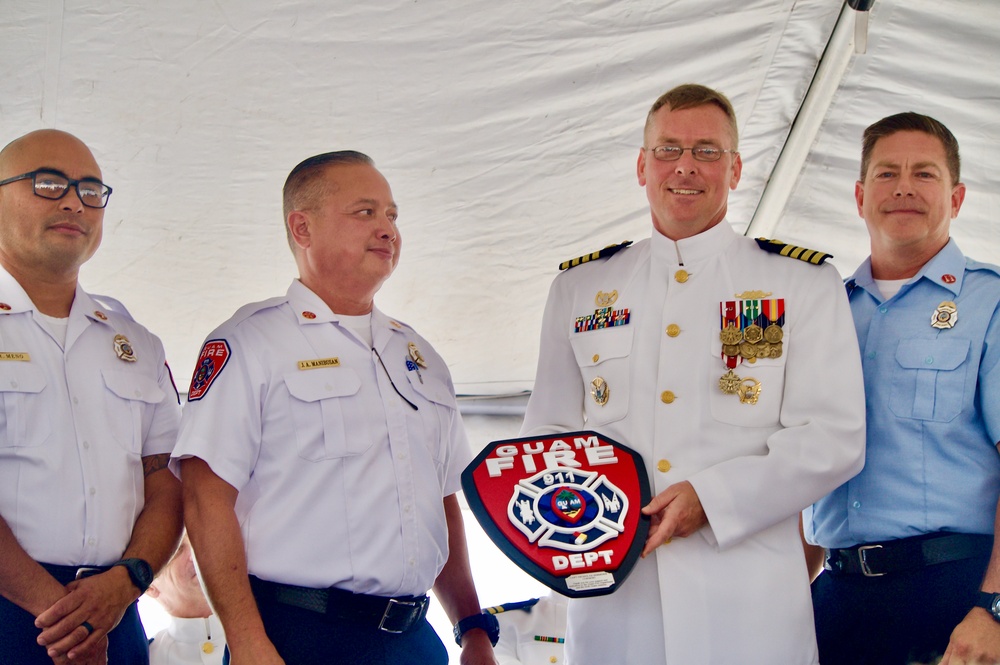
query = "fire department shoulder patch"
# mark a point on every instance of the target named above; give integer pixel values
(214, 356)
(565, 508)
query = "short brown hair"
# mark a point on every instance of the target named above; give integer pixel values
(692, 95)
(911, 122)
(305, 186)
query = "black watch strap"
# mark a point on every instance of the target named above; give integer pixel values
(139, 571)
(484, 620)
(991, 603)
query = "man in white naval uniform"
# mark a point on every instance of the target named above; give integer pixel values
(734, 372)
(321, 451)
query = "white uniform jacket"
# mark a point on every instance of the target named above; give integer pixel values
(736, 592)
(342, 454)
(75, 421)
(535, 635)
(197, 641)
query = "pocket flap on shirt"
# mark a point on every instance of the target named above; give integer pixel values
(132, 386)
(21, 377)
(595, 346)
(939, 354)
(316, 384)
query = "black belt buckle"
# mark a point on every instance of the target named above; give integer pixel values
(863, 560)
(400, 615)
(88, 571)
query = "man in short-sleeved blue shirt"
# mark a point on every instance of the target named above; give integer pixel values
(909, 538)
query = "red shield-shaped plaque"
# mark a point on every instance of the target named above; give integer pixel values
(565, 508)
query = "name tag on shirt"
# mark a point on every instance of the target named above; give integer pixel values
(10, 355)
(319, 362)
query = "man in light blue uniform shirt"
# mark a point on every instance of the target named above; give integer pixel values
(911, 572)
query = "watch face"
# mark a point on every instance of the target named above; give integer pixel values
(995, 606)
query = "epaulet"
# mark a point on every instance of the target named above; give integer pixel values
(507, 607)
(800, 253)
(593, 256)
(248, 310)
(112, 305)
(972, 264)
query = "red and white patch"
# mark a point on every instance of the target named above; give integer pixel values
(214, 356)
(948, 279)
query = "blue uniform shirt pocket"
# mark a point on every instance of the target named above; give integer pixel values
(929, 378)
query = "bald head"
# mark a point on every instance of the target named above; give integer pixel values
(48, 148)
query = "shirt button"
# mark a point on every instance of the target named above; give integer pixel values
(673, 330)
(76, 401)
(663, 466)
(91, 541)
(93, 491)
(597, 357)
(871, 355)
(412, 562)
(86, 445)
(328, 387)
(857, 504)
(138, 393)
(667, 397)
(406, 508)
(681, 276)
(883, 310)
(929, 360)
(13, 384)
(553, 659)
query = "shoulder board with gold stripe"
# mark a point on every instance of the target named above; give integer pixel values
(519, 605)
(800, 253)
(593, 256)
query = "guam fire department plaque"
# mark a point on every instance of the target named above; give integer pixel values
(565, 508)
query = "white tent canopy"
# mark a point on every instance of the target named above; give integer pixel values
(508, 131)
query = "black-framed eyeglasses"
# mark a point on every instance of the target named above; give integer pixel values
(53, 185)
(671, 153)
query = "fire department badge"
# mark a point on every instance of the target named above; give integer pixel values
(214, 356)
(565, 508)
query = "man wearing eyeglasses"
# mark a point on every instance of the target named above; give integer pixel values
(733, 371)
(89, 416)
(321, 450)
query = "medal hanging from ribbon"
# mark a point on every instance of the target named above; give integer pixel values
(731, 335)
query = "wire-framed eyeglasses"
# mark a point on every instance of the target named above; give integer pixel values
(53, 185)
(702, 153)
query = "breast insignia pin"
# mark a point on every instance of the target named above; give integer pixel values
(600, 390)
(945, 316)
(123, 349)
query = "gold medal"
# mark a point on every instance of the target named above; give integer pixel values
(775, 350)
(749, 391)
(123, 349)
(753, 333)
(945, 316)
(600, 390)
(729, 383)
(748, 350)
(731, 335)
(731, 350)
(763, 350)
(773, 333)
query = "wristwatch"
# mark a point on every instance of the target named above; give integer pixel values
(484, 620)
(990, 602)
(139, 571)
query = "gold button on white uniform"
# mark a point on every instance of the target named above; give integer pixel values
(673, 330)
(682, 276)
(663, 466)
(667, 397)
(596, 357)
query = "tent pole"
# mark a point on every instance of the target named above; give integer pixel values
(805, 127)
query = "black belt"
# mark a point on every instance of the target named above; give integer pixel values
(390, 615)
(66, 574)
(893, 556)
